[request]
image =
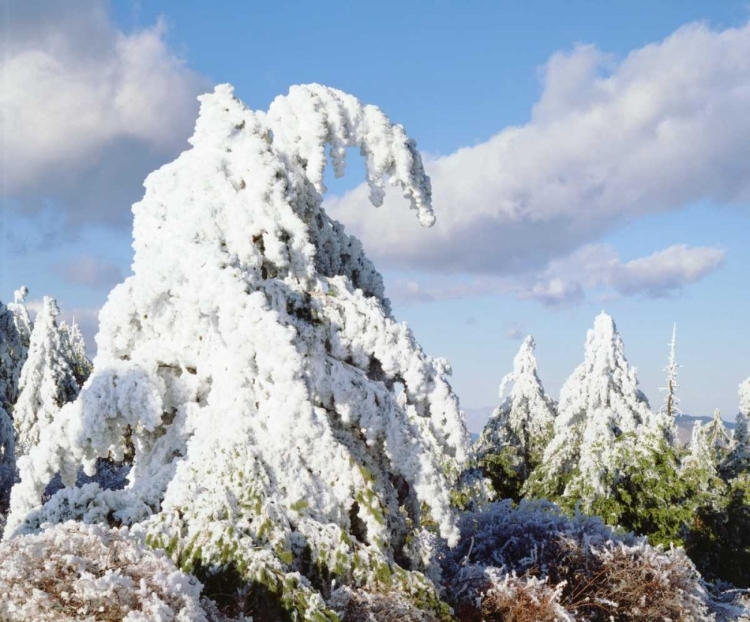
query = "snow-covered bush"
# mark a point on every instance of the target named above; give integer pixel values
(512, 443)
(253, 365)
(47, 380)
(566, 569)
(75, 572)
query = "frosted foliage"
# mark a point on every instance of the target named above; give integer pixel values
(12, 356)
(251, 360)
(74, 572)
(700, 462)
(21, 316)
(75, 351)
(718, 436)
(602, 416)
(7, 458)
(47, 380)
(525, 418)
(738, 458)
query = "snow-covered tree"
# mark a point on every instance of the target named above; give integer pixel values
(671, 401)
(513, 441)
(287, 430)
(47, 380)
(75, 350)
(718, 436)
(603, 419)
(700, 464)
(21, 316)
(13, 351)
(738, 457)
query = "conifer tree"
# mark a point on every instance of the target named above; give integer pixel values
(75, 351)
(718, 437)
(601, 413)
(738, 457)
(700, 464)
(288, 432)
(519, 430)
(21, 316)
(671, 401)
(47, 380)
(13, 352)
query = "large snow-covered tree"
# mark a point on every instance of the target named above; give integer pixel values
(513, 441)
(287, 430)
(604, 424)
(47, 380)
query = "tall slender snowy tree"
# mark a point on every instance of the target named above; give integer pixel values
(253, 362)
(74, 347)
(671, 401)
(21, 316)
(47, 380)
(519, 430)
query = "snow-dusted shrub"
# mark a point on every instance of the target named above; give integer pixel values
(252, 364)
(353, 605)
(75, 572)
(572, 568)
(512, 443)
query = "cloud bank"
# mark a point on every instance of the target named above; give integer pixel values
(88, 110)
(608, 142)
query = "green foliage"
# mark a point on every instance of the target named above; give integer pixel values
(506, 471)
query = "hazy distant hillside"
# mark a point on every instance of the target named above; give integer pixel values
(476, 418)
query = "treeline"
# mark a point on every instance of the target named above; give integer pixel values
(602, 450)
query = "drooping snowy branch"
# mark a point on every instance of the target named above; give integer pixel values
(253, 365)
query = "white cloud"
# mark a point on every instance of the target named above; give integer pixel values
(566, 281)
(607, 142)
(88, 109)
(90, 271)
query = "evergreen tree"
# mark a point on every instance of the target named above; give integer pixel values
(75, 351)
(700, 464)
(13, 352)
(671, 402)
(47, 379)
(514, 439)
(718, 437)
(601, 414)
(288, 432)
(21, 317)
(738, 457)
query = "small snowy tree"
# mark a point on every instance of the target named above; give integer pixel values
(287, 430)
(700, 464)
(738, 458)
(75, 351)
(718, 437)
(13, 352)
(519, 430)
(671, 401)
(21, 316)
(47, 380)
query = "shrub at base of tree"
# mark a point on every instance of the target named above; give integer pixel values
(532, 562)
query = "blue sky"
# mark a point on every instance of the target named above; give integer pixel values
(578, 80)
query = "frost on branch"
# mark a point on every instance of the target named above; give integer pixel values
(74, 572)
(47, 380)
(253, 365)
(515, 437)
(604, 420)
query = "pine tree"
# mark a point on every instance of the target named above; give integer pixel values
(519, 430)
(718, 437)
(288, 432)
(700, 463)
(21, 317)
(75, 351)
(47, 380)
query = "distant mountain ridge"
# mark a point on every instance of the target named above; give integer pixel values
(476, 418)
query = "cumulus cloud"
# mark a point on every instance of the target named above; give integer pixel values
(566, 281)
(90, 271)
(608, 141)
(88, 110)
